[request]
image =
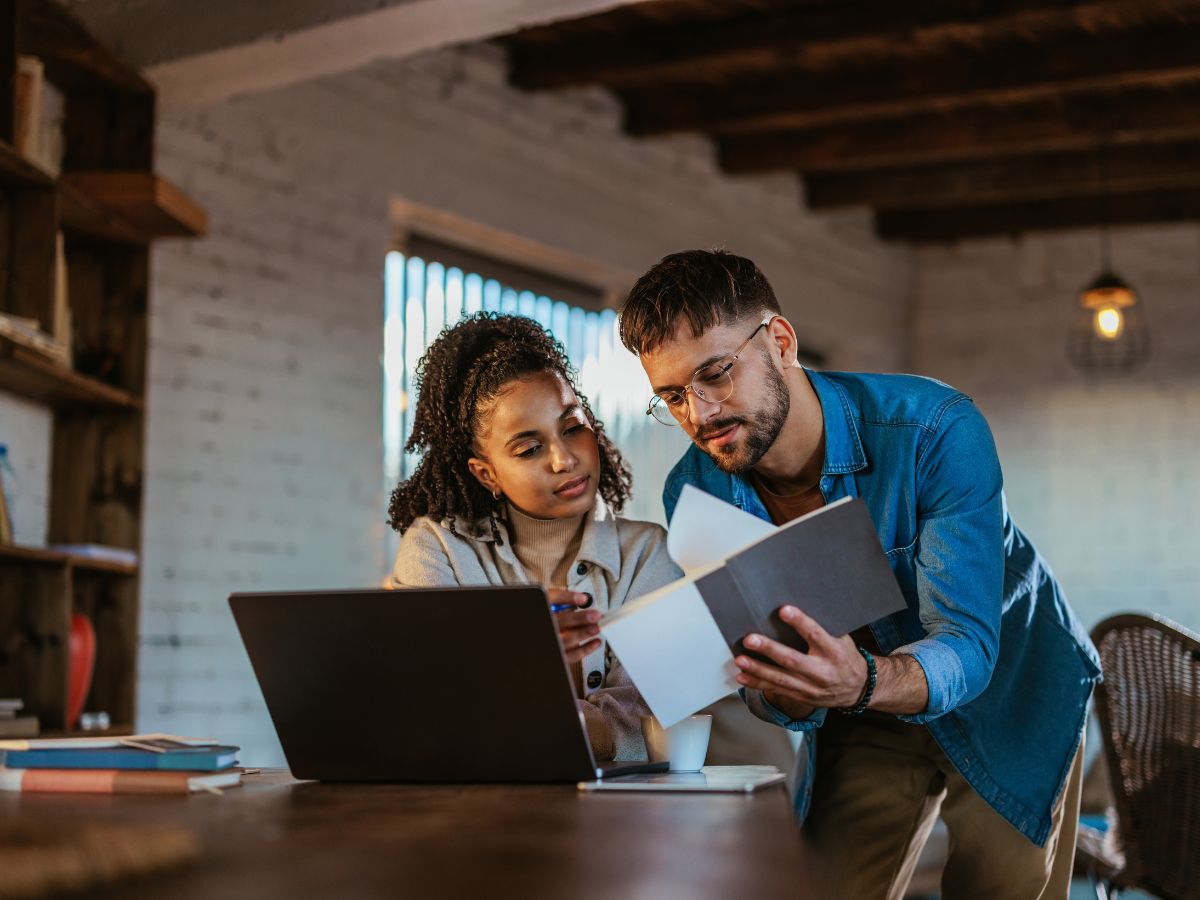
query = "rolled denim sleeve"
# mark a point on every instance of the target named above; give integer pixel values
(959, 559)
(758, 704)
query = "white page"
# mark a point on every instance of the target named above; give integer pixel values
(705, 530)
(674, 652)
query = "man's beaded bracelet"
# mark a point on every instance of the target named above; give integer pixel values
(861, 706)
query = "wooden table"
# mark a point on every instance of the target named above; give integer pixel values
(276, 837)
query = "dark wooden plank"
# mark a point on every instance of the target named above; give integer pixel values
(646, 17)
(44, 557)
(6, 229)
(369, 841)
(30, 375)
(952, 224)
(1012, 71)
(1147, 115)
(17, 171)
(32, 236)
(108, 286)
(35, 607)
(97, 476)
(8, 70)
(1129, 169)
(98, 456)
(83, 216)
(153, 205)
(109, 132)
(116, 730)
(74, 60)
(815, 38)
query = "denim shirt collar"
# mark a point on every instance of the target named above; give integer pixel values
(843, 447)
(844, 451)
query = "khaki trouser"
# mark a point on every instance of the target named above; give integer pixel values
(880, 785)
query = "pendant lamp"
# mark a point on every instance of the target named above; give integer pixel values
(1108, 328)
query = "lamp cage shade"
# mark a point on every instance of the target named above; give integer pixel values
(1108, 327)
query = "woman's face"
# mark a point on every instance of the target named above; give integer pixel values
(538, 449)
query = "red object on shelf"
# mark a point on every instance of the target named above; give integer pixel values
(82, 646)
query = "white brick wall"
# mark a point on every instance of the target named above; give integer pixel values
(1102, 473)
(26, 429)
(264, 458)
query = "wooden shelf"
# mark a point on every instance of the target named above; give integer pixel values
(111, 731)
(17, 171)
(73, 58)
(46, 557)
(29, 375)
(151, 204)
(110, 206)
(80, 214)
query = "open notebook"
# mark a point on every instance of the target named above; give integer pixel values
(678, 643)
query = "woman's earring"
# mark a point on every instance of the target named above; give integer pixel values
(496, 494)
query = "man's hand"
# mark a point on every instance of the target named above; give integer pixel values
(832, 673)
(577, 629)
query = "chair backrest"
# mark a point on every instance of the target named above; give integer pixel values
(1149, 710)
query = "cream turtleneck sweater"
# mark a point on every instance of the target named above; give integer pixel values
(546, 547)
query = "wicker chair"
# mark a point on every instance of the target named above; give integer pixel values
(1149, 711)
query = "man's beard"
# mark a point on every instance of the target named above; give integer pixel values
(761, 430)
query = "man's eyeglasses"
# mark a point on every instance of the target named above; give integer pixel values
(712, 383)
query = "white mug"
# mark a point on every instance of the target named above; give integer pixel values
(684, 745)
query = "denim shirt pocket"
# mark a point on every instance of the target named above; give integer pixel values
(903, 563)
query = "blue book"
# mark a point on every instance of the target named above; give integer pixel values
(210, 758)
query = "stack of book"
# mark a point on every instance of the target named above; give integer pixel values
(12, 723)
(138, 764)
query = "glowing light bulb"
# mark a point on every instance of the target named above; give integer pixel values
(1109, 323)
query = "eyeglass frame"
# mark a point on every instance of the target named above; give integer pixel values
(690, 386)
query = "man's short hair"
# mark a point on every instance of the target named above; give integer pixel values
(701, 287)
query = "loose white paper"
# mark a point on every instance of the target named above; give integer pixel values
(705, 531)
(673, 651)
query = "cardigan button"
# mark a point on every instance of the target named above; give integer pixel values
(594, 679)
(590, 601)
(581, 569)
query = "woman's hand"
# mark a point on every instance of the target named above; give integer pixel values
(577, 629)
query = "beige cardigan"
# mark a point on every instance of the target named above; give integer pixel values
(618, 559)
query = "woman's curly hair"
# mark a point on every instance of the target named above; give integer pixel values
(457, 381)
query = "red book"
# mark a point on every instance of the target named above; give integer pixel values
(116, 781)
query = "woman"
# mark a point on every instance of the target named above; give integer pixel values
(518, 484)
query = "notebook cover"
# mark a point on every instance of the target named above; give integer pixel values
(209, 759)
(830, 565)
(735, 616)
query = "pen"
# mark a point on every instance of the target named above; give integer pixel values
(561, 607)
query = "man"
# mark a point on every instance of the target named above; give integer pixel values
(971, 702)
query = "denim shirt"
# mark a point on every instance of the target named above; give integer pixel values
(1009, 667)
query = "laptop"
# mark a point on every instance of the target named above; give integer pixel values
(430, 685)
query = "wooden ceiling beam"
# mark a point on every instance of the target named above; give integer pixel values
(946, 225)
(1015, 71)
(1146, 115)
(816, 37)
(1129, 169)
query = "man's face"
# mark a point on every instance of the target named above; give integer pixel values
(737, 431)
